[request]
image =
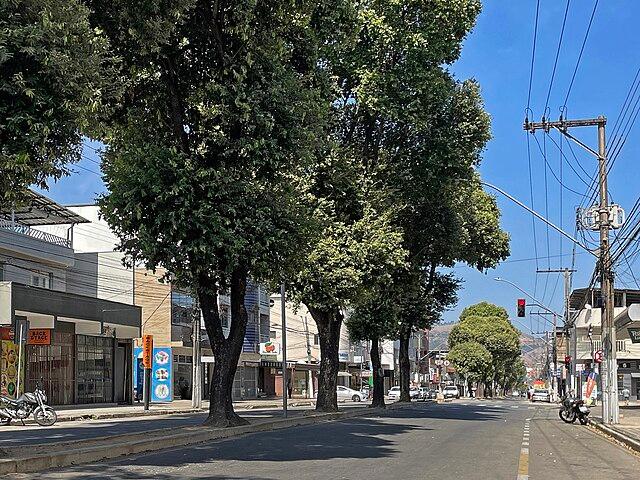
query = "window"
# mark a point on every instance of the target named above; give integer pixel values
(181, 307)
(41, 280)
(316, 339)
(272, 334)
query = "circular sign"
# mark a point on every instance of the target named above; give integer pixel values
(162, 374)
(162, 391)
(447, 363)
(162, 357)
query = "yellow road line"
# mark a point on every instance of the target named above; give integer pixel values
(523, 461)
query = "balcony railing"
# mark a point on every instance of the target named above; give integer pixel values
(32, 232)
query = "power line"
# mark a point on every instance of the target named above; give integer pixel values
(533, 53)
(584, 42)
(555, 63)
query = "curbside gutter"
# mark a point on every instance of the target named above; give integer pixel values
(64, 455)
(616, 434)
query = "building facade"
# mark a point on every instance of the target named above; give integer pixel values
(54, 327)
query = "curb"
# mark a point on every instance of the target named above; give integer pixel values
(143, 442)
(616, 434)
(151, 413)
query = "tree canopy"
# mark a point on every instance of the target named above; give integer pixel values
(56, 72)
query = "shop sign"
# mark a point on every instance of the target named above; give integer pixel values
(39, 336)
(269, 348)
(634, 334)
(161, 382)
(343, 356)
(147, 351)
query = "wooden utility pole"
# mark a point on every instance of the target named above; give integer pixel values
(609, 373)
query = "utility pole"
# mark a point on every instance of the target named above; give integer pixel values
(196, 378)
(283, 313)
(609, 375)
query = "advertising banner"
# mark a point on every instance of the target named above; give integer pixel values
(590, 388)
(161, 374)
(269, 348)
(9, 369)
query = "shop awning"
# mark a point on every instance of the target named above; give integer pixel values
(40, 210)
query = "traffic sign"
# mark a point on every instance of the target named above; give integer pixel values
(597, 357)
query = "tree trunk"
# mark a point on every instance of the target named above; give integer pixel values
(226, 351)
(404, 366)
(378, 375)
(328, 323)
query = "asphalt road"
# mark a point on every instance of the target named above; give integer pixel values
(460, 440)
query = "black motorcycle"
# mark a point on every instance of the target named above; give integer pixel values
(30, 403)
(573, 409)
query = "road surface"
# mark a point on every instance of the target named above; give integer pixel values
(508, 439)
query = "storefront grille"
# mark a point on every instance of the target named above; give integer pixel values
(53, 366)
(95, 367)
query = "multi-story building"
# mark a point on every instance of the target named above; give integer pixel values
(581, 347)
(57, 322)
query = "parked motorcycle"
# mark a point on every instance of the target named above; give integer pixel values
(30, 403)
(573, 409)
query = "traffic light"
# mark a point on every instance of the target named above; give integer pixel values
(521, 305)
(567, 359)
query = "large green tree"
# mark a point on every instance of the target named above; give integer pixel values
(208, 148)
(55, 73)
(410, 132)
(472, 361)
(495, 333)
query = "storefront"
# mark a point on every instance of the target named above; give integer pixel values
(79, 348)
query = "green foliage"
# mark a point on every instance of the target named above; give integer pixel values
(484, 309)
(55, 74)
(488, 325)
(472, 360)
(207, 149)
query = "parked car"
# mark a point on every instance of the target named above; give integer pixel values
(426, 393)
(541, 395)
(346, 394)
(394, 393)
(451, 391)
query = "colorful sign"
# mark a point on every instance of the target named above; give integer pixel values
(634, 334)
(269, 348)
(161, 373)
(9, 369)
(39, 336)
(147, 351)
(590, 388)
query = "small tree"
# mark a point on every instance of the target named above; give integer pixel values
(472, 361)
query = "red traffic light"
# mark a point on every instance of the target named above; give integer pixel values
(567, 359)
(521, 306)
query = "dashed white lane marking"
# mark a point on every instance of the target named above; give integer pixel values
(523, 462)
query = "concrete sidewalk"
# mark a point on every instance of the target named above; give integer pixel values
(628, 430)
(101, 412)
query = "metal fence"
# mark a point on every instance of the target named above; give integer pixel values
(32, 232)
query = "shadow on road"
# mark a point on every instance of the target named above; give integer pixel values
(357, 438)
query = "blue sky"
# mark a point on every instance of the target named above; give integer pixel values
(498, 55)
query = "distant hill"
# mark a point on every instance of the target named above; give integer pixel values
(532, 347)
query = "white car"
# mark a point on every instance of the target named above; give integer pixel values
(541, 395)
(451, 391)
(345, 394)
(394, 393)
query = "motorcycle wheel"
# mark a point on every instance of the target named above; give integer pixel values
(567, 417)
(583, 420)
(5, 421)
(45, 417)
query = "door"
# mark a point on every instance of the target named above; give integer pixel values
(119, 375)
